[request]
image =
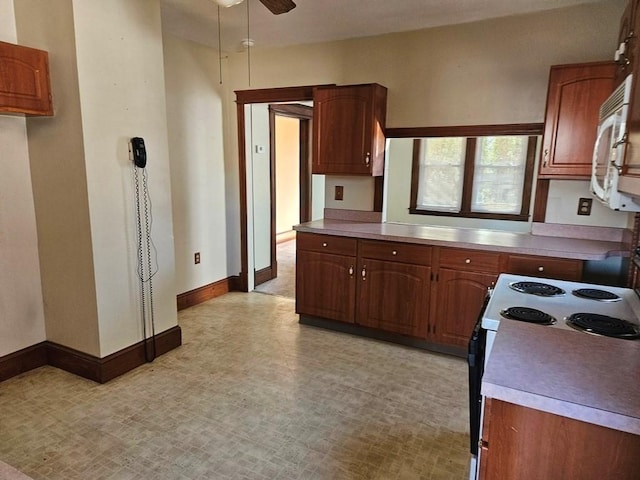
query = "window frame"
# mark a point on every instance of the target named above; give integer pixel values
(533, 131)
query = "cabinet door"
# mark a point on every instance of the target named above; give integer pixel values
(394, 296)
(627, 38)
(528, 444)
(348, 126)
(24, 80)
(325, 285)
(460, 296)
(573, 104)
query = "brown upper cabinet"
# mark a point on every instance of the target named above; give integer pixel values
(627, 40)
(574, 97)
(629, 181)
(24, 80)
(348, 129)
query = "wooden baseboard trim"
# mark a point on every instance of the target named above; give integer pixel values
(264, 275)
(207, 292)
(23, 360)
(99, 370)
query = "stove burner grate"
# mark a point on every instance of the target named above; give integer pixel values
(537, 288)
(530, 315)
(596, 294)
(603, 325)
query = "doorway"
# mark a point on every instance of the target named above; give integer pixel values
(252, 210)
(289, 179)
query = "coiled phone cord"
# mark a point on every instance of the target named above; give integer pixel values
(145, 246)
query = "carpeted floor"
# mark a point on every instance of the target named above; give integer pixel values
(251, 394)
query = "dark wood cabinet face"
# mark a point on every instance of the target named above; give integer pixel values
(24, 80)
(575, 95)
(348, 130)
(325, 285)
(528, 444)
(393, 296)
(460, 295)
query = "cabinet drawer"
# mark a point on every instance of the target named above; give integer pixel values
(470, 260)
(395, 252)
(326, 244)
(559, 268)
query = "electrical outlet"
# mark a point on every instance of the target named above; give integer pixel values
(196, 258)
(339, 192)
(584, 206)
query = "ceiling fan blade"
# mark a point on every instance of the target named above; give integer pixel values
(279, 6)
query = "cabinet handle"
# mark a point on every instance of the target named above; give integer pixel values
(541, 268)
(394, 252)
(468, 260)
(367, 158)
(546, 157)
(364, 273)
(351, 270)
(324, 244)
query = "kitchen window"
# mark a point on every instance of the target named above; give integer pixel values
(482, 176)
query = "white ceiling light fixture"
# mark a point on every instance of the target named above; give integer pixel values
(227, 3)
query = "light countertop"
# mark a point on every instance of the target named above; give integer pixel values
(471, 238)
(590, 378)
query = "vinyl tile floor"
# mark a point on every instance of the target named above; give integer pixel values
(250, 394)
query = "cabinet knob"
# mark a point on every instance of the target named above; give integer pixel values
(367, 158)
(364, 273)
(324, 244)
(541, 268)
(395, 252)
(468, 260)
(546, 157)
(351, 270)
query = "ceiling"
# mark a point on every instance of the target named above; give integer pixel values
(325, 20)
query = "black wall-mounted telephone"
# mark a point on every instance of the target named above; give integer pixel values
(138, 152)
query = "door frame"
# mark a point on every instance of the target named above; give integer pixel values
(243, 98)
(304, 114)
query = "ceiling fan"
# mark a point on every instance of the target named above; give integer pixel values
(275, 6)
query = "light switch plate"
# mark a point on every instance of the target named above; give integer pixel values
(339, 192)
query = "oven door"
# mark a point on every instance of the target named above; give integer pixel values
(475, 359)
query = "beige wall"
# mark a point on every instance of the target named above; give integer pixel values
(194, 117)
(21, 309)
(486, 72)
(287, 173)
(108, 86)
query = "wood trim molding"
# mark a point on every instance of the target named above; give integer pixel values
(540, 202)
(243, 97)
(265, 274)
(23, 360)
(466, 130)
(283, 94)
(207, 292)
(99, 370)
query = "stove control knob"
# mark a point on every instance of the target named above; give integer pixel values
(541, 269)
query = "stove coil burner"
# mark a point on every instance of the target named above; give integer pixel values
(530, 315)
(537, 288)
(596, 294)
(604, 325)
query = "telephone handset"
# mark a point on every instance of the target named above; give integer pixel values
(138, 152)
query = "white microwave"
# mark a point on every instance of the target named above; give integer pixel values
(608, 152)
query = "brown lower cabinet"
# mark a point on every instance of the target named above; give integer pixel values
(432, 294)
(394, 287)
(520, 443)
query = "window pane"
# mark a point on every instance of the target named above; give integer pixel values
(441, 174)
(499, 174)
